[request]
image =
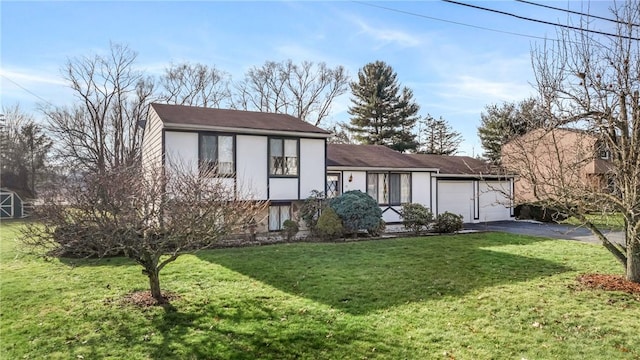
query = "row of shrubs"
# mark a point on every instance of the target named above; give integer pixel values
(355, 211)
(345, 215)
(418, 219)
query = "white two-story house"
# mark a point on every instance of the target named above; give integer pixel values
(272, 157)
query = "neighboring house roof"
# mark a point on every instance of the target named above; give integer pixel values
(455, 165)
(182, 116)
(367, 156)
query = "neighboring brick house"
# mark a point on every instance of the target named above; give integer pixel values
(551, 160)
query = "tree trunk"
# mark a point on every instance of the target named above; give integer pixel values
(633, 257)
(154, 285)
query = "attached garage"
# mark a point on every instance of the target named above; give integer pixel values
(476, 200)
(494, 200)
(455, 196)
(457, 184)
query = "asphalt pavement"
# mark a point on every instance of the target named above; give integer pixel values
(549, 230)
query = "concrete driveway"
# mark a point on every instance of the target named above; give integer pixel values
(554, 231)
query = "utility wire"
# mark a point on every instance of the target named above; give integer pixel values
(540, 21)
(575, 12)
(27, 90)
(448, 21)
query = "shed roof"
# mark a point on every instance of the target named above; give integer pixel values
(193, 116)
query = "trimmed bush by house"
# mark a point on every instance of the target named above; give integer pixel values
(290, 229)
(447, 223)
(358, 211)
(329, 225)
(312, 208)
(416, 217)
(382, 225)
(539, 212)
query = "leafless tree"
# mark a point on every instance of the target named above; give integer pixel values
(101, 130)
(195, 85)
(151, 217)
(24, 150)
(304, 90)
(341, 134)
(590, 83)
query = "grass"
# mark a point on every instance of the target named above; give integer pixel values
(473, 296)
(611, 221)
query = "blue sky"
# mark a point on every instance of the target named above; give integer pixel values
(454, 70)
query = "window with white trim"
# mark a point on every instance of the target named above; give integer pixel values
(333, 185)
(216, 153)
(389, 188)
(278, 214)
(283, 157)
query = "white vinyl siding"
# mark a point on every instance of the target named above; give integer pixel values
(312, 166)
(251, 166)
(152, 142)
(181, 151)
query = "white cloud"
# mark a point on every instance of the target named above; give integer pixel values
(386, 36)
(29, 77)
(470, 87)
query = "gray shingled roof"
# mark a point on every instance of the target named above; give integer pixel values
(237, 119)
(375, 156)
(454, 165)
(379, 156)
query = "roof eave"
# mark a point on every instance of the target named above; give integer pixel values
(378, 168)
(248, 131)
(475, 175)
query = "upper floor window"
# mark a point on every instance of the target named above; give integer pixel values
(216, 153)
(604, 154)
(389, 188)
(283, 157)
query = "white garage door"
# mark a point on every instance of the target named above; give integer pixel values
(456, 197)
(494, 200)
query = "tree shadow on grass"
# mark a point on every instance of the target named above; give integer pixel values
(362, 277)
(104, 261)
(249, 329)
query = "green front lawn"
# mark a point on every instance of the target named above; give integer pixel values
(474, 296)
(611, 221)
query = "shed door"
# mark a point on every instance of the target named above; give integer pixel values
(456, 197)
(6, 204)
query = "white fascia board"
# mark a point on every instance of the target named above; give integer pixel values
(171, 126)
(474, 176)
(365, 168)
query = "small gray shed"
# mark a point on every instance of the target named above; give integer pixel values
(11, 204)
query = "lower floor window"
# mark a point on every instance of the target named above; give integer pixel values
(389, 188)
(278, 214)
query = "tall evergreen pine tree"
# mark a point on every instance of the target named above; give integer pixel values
(501, 123)
(382, 114)
(439, 137)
